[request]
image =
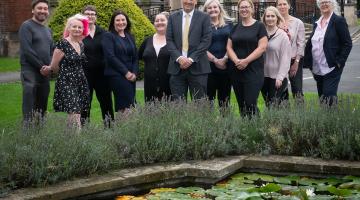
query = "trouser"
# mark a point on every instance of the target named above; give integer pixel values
(273, 96)
(247, 94)
(296, 82)
(327, 86)
(97, 81)
(36, 90)
(184, 81)
(219, 85)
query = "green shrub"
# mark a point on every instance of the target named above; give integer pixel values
(167, 132)
(141, 26)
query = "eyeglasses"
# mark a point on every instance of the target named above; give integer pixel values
(90, 14)
(244, 7)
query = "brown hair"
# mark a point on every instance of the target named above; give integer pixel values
(89, 7)
(288, 2)
(36, 2)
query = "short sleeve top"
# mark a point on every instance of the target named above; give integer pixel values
(245, 40)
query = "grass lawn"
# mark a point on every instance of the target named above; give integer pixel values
(10, 110)
(9, 64)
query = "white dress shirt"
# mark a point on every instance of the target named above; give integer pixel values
(320, 66)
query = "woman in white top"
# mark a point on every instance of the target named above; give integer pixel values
(277, 58)
(156, 58)
(296, 31)
(327, 50)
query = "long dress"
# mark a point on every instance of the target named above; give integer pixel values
(71, 88)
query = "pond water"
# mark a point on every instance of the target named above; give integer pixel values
(252, 186)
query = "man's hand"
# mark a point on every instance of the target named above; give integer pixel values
(45, 70)
(184, 62)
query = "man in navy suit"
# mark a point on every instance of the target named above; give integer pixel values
(327, 50)
(188, 38)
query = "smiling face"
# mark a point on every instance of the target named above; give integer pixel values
(40, 12)
(270, 18)
(326, 6)
(283, 6)
(91, 15)
(245, 9)
(189, 5)
(76, 28)
(213, 10)
(160, 23)
(120, 23)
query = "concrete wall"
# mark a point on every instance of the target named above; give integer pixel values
(350, 14)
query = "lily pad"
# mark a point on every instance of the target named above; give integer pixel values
(339, 192)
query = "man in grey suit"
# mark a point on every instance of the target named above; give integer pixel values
(36, 46)
(188, 38)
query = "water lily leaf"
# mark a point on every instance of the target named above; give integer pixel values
(170, 195)
(124, 197)
(289, 180)
(158, 190)
(333, 181)
(270, 187)
(310, 181)
(215, 192)
(321, 197)
(240, 196)
(339, 192)
(288, 198)
(321, 188)
(191, 190)
(263, 177)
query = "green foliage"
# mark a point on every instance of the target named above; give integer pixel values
(141, 26)
(9, 64)
(178, 131)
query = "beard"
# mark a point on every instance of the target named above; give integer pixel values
(41, 17)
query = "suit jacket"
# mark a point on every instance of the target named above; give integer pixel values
(337, 43)
(199, 42)
(118, 61)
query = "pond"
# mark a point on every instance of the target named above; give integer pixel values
(253, 186)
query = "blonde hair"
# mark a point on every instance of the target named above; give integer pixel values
(273, 9)
(166, 14)
(83, 19)
(335, 6)
(223, 16)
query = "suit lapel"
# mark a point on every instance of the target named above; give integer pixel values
(193, 21)
(178, 20)
(329, 27)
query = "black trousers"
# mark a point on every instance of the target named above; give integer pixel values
(271, 95)
(36, 89)
(97, 81)
(219, 85)
(247, 94)
(327, 86)
(184, 81)
(296, 81)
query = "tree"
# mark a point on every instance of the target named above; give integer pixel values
(141, 26)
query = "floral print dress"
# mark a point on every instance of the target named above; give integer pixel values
(71, 87)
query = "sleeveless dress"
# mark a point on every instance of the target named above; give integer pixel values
(71, 88)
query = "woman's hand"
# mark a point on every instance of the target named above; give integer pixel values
(293, 69)
(241, 64)
(278, 84)
(220, 63)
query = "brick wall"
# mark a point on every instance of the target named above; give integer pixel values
(12, 14)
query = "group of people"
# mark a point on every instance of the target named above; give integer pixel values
(201, 52)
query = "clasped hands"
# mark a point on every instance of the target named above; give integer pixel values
(184, 62)
(241, 64)
(130, 76)
(45, 70)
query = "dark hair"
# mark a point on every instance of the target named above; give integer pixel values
(112, 20)
(35, 2)
(288, 2)
(89, 7)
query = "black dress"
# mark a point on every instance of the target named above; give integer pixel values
(71, 88)
(156, 79)
(247, 83)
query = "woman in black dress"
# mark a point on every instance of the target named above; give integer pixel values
(156, 58)
(246, 44)
(121, 61)
(219, 79)
(71, 88)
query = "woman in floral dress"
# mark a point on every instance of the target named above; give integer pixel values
(71, 89)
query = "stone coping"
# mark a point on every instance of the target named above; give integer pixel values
(196, 172)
